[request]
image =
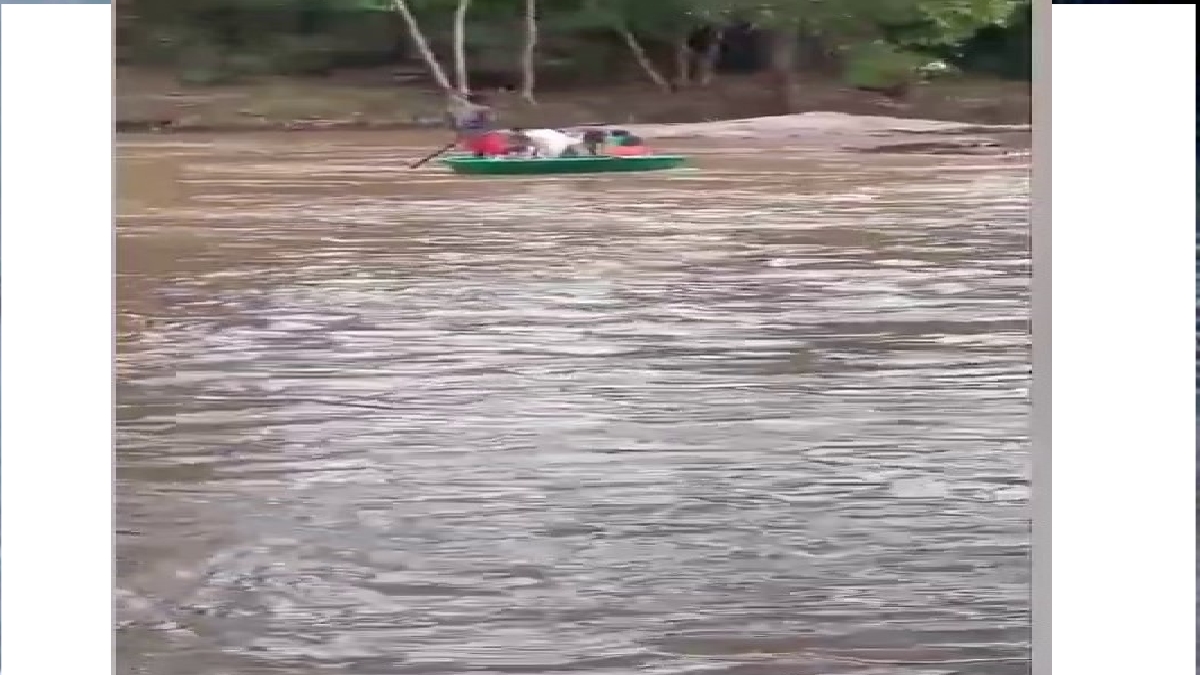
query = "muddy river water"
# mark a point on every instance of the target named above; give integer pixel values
(766, 416)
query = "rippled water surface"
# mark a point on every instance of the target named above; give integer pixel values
(762, 417)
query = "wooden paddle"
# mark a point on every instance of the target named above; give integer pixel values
(432, 155)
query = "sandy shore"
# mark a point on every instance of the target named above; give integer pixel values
(862, 133)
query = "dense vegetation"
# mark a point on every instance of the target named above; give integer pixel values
(527, 44)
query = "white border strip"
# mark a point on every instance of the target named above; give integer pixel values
(1124, 216)
(55, 363)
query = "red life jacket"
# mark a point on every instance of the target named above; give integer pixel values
(489, 144)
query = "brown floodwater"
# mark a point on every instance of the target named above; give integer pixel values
(764, 416)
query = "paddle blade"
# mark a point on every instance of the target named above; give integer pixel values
(432, 155)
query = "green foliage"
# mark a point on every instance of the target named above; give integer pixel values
(214, 40)
(1004, 50)
(953, 21)
(880, 65)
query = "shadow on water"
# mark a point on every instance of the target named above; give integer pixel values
(766, 417)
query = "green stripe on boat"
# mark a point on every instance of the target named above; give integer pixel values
(539, 166)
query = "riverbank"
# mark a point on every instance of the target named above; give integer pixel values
(155, 101)
(959, 115)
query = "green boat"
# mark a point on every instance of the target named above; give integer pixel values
(574, 165)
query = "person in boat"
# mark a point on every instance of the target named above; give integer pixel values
(519, 145)
(545, 143)
(474, 124)
(622, 143)
(594, 141)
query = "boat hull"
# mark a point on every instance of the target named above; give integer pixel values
(561, 165)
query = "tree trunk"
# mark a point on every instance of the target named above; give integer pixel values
(418, 38)
(783, 68)
(528, 74)
(460, 47)
(708, 62)
(639, 55)
(683, 62)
